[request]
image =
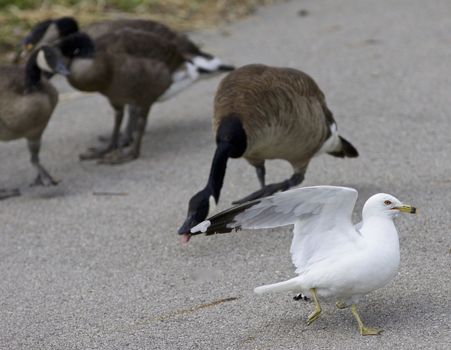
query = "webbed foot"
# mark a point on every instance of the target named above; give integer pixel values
(362, 329)
(263, 192)
(9, 193)
(370, 331)
(124, 139)
(313, 316)
(43, 178)
(119, 156)
(97, 152)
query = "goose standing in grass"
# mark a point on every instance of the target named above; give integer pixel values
(128, 67)
(27, 101)
(263, 112)
(207, 65)
(333, 258)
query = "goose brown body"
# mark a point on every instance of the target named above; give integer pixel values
(263, 112)
(129, 67)
(282, 110)
(22, 114)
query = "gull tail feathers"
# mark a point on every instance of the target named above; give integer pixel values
(285, 286)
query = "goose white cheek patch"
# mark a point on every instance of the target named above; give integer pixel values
(42, 62)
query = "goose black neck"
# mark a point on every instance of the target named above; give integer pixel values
(218, 169)
(231, 142)
(32, 73)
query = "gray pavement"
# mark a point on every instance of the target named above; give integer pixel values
(80, 271)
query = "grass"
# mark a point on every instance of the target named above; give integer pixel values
(18, 16)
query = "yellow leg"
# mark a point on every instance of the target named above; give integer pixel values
(341, 305)
(315, 314)
(362, 329)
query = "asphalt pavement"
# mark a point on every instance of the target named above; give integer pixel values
(95, 263)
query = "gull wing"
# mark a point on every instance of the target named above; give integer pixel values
(317, 208)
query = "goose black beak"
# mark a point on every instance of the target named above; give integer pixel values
(184, 230)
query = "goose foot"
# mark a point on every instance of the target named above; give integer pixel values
(124, 139)
(97, 152)
(9, 193)
(43, 178)
(119, 156)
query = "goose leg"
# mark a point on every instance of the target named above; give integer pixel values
(126, 137)
(362, 329)
(99, 152)
(261, 172)
(131, 152)
(315, 314)
(9, 193)
(270, 189)
(43, 178)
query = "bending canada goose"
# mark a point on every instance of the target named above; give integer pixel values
(128, 67)
(260, 113)
(27, 101)
(51, 31)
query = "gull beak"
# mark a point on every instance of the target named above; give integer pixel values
(406, 209)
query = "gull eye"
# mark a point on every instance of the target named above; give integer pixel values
(387, 202)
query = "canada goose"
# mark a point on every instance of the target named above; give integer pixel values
(128, 67)
(333, 257)
(27, 101)
(51, 31)
(263, 112)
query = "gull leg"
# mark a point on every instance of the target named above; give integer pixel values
(341, 305)
(362, 329)
(315, 314)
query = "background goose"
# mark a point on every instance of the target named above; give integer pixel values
(263, 112)
(128, 67)
(50, 31)
(27, 101)
(333, 258)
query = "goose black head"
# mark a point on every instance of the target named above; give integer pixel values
(46, 61)
(48, 31)
(199, 208)
(77, 45)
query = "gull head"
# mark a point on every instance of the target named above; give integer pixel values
(385, 205)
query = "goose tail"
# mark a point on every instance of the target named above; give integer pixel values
(208, 64)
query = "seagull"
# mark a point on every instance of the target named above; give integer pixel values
(333, 257)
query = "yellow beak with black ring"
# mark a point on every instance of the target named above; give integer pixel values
(406, 209)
